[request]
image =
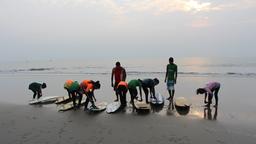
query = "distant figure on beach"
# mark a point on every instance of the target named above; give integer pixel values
(74, 92)
(37, 89)
(210, 89)
(132, 86)
(171, 79)
(120, 75)
(122, 88)
(88, 87)
(148, 86)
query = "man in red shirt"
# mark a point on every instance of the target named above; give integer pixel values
(120, 75)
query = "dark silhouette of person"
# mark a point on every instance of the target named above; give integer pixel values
(211, 88)
(88, 87)
(119, 74)
(171, 79)
(132, 86)
(36, 88)
(74, 92)
(148, 86)
(122, 89)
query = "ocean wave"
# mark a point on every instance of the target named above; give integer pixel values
(63, 70)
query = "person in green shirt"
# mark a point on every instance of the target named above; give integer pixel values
(74, 91)
(170, 80)
(132, 86)
(37, 89)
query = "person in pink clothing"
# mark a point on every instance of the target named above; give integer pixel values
(210, 89)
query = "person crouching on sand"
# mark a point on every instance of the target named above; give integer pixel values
(121, 90)
(88, 87)
(149, 84)
(210, 89)
(37, 89)
(74, 92)
(132, 86)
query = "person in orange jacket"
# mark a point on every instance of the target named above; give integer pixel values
(121, 90)
(88, 87)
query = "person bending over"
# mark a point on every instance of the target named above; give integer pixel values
(148, 86)
(210, 89)
(36, 88)
(88, 87)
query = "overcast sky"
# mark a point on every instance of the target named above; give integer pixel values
(59, 29)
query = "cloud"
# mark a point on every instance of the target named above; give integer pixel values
(153, 6)
(167, 6)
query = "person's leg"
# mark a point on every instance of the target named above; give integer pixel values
(74, 99)
(86, 103)
(216, 93)
(172, 96)
(80, 99)
(116, 91)
(145, 89)
(124, 96)
(38, 95)
(132, 97)
(34, 95)
(90, 96)
(209, 100)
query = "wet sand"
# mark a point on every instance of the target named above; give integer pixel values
(22, 123)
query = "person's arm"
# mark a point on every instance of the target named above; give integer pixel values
(166, 74)
(205, 96)
(93, 96)
(175, 75)
(140, 92)
(112, 76)
(152, 91)
(123, 75)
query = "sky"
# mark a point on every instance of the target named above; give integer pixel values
(114, 29)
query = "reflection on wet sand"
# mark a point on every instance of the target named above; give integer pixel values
(208, 113)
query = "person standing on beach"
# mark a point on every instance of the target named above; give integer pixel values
(210, 89)
(88, 87)
(120, 75)
(171, 79)
(37, 89)
(74, 92)
(132, 86)
(148, 85)
(122, 89)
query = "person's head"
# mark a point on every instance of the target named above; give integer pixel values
(118, 64)
(44, 85)
(156, 81)
(97, 85)
(200, 91)
(171, 60)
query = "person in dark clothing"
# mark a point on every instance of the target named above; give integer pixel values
(148, 85)
(122, 89)
(37, 89)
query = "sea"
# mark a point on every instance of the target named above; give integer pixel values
(192, 66)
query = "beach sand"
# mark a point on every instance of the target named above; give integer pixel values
(25, 124)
